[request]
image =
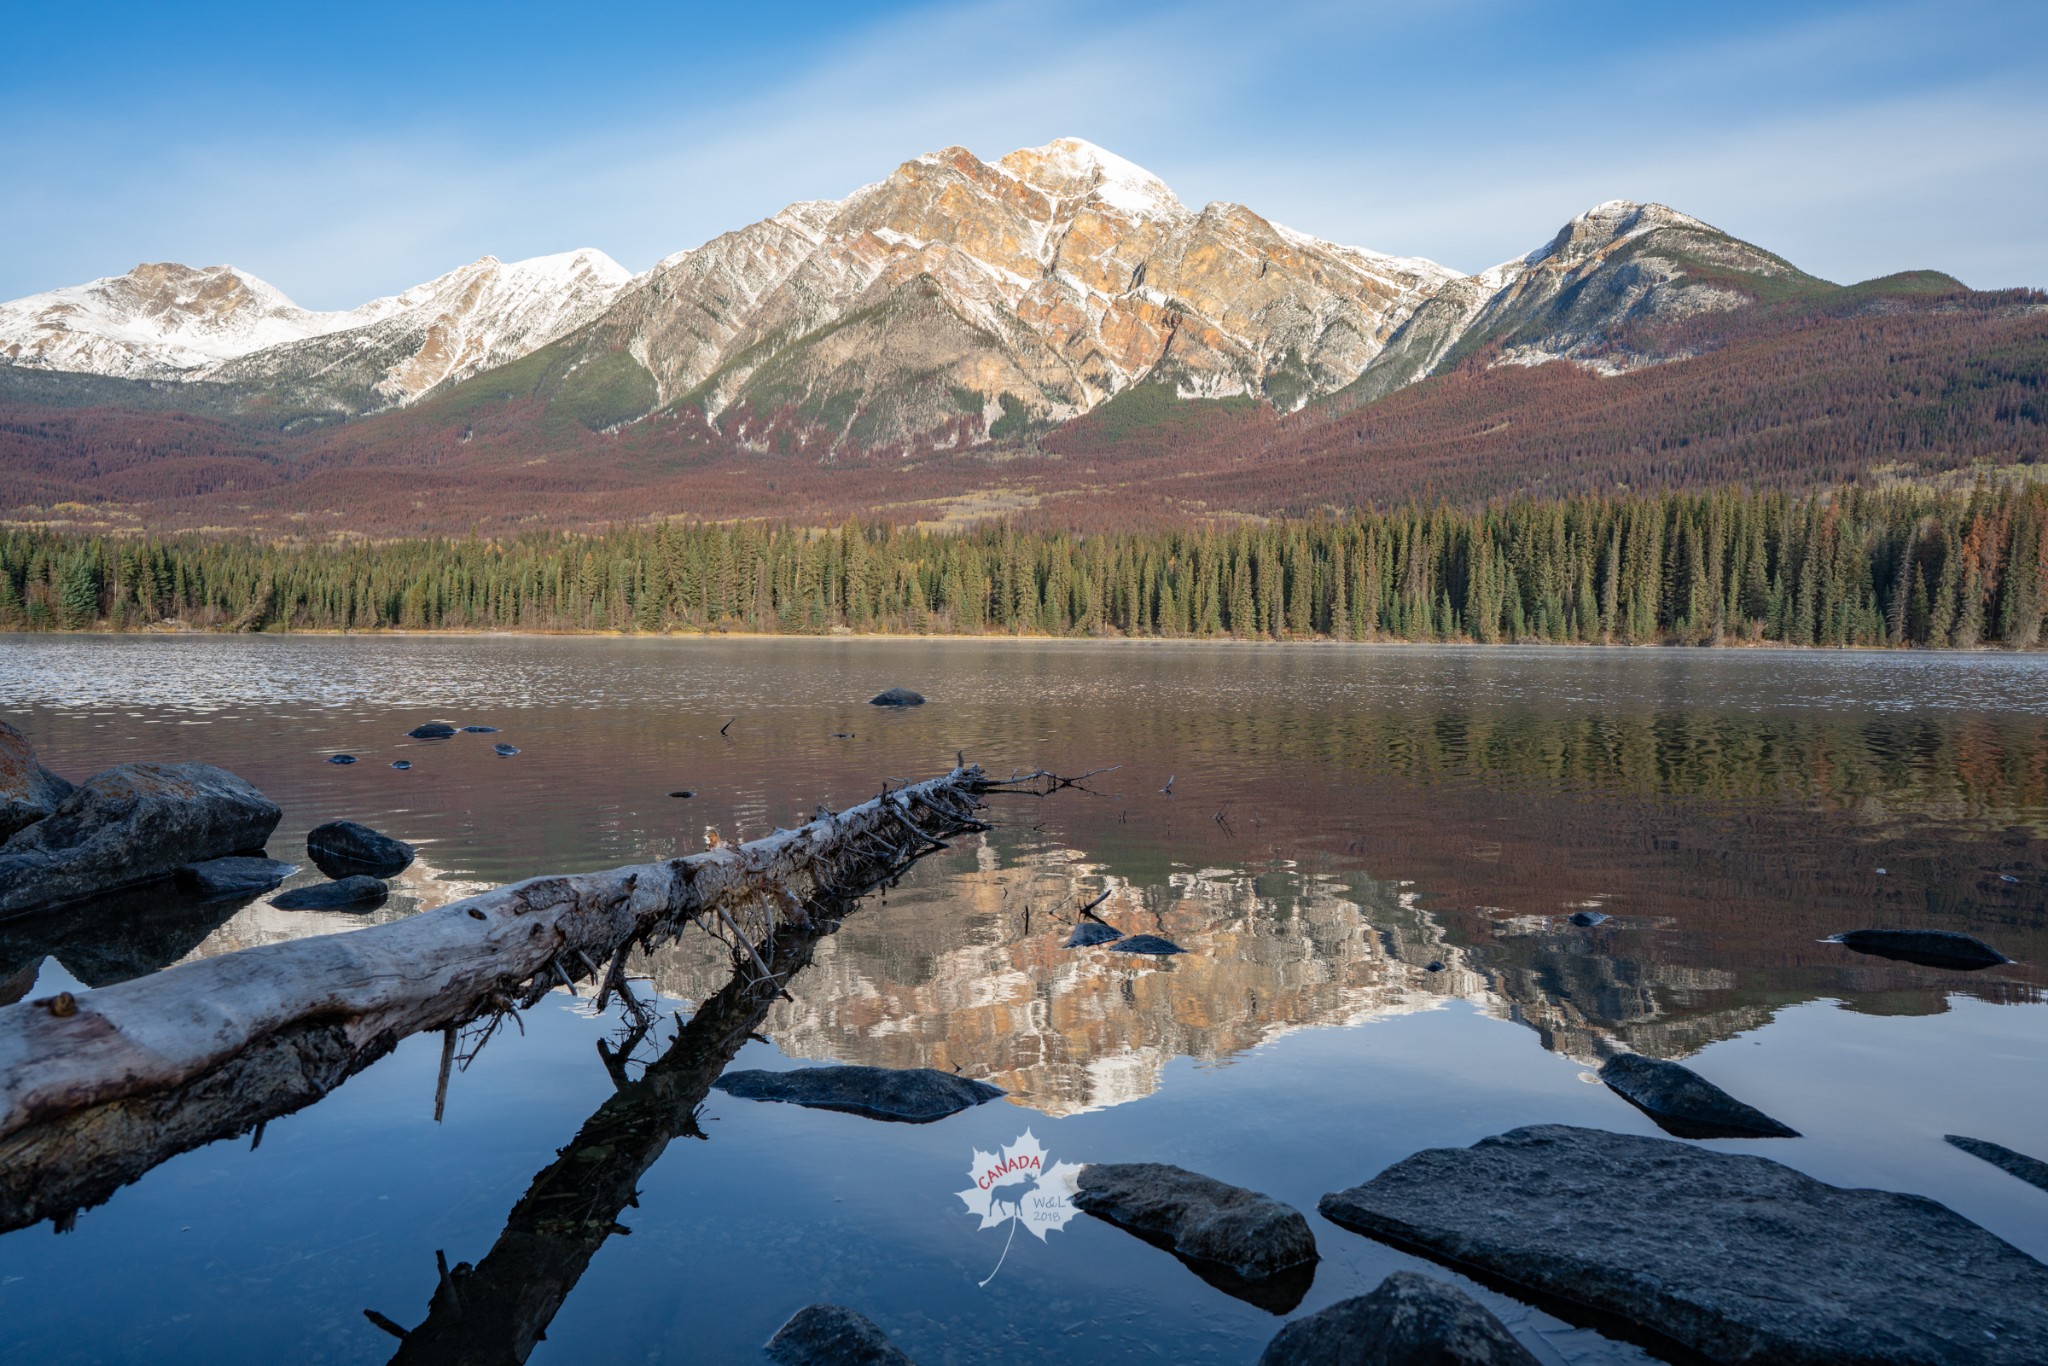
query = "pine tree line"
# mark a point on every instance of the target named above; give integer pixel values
(1854, 566)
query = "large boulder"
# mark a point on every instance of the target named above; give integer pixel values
(236, 875)
(28, 791)
(346, 849)
(1685, 1103)
(1732, 1257)
(1410, 1320)
(345, 894)
(130, 825)
(1198, 1217)
(832, 1335)
(912, 1095)
(1929, 948)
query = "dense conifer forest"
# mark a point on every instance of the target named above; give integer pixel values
(1853, 566)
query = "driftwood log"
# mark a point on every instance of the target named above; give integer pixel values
(97, 1089)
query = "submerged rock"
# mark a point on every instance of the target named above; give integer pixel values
(832, 1335)
(897, 697)
(401, 763)
(131, 825)
(347, 894)
(1089, 933)
(1685, 1103)
(28, 791)
(344, 848)
(1198, 1217)
(2031, 1170)
(238, 875)
(1585, 919)
(1732, 1257)
(433, 730)
(1146, 943)
(479, 730)
(912, 1095)
(1410, 1320)
(341, 758)
(504, 751)
(1929, 948)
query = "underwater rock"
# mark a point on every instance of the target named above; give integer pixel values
(912, 1095)
(479, 730)
(1146, 943)
(2031, 1170)
(132, 824)
(233, 876)
(343, 848)
(1198, 1217)
(832, 1335)
(433, 730)
(28, 791)
(347, 894)
(897, 697)
(1089, 933)
(1728, 1256)
(1685, 1103)
(1929, 948)
(1410, 1320)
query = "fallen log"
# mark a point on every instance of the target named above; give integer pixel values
(97, 1089)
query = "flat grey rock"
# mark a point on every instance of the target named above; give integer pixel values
(2031, 1170)
(1929, 948)
(346, 849)
(1198, 1217)
(1146, 943)
(1733, 1257)
(897, 697)
(911, 1095)
(1685, 1103)
(130, 825)
(832, 1335)
(344, 894)
(1409, 1320)
(28, 791)
(1089, 933)
(233, 876)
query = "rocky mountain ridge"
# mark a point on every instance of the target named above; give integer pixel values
(953, 302)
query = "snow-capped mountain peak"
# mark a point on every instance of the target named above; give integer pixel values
(1070, 168)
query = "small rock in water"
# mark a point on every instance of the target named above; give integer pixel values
(401, 763)
(344, 848)
(236, 875)
(1685, 1103)
(1409, 1319)
(1146, 943)
(832, 1335)
(1929, 948)
(2031, 1170)
(1198, 1217)
(914, 1095)
(341, 758)
(897, 697)
(433, 730)
(504, 751)
(682, 792)
(1434, 966)
(1089, 933)
(842, 735)
(2007, 877)
(479, 730)
(1585, 918)
(1733, 1257)
(350, 893)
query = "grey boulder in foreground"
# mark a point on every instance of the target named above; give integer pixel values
(347, 849)
(1410, 1320)
(1252, 1235)
(130, 825)
(1686, 1103)
(1929, 948)
(2031, 1170)
(1735, 1258)
(344, 894)
(233, 876)
(28, 791)
(897, 697)
(832, 1335)
(911, 1095)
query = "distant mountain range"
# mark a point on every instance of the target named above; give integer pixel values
(1050, 300)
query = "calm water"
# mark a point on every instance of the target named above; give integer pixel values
(1339, 820)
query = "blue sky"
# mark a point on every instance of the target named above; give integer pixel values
(345, 152)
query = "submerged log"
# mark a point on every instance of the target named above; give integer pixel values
(96, 1090)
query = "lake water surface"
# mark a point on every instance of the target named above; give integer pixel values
(1370, 854)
